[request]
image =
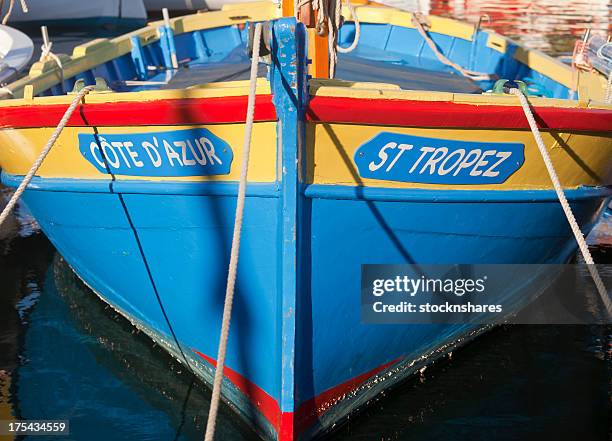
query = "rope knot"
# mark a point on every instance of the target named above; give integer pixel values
(47, 54)
(510, 86)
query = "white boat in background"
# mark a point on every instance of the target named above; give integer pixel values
(66, 12)
(15, 52)
(188, 5)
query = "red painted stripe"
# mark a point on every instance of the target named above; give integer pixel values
(449, 114)
(159, 112)
(267, 405)
(321, 109)
(310, 410)
(287, 424)
(286, 431)
(269, 408)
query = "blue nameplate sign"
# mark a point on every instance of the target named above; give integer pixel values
(396, 157)
(190, 152)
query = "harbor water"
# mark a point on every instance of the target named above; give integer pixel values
(66, 355)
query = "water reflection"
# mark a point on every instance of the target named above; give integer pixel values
(24, 258)
(64, 354)
(515, 383)
(551, 26)
(83, 362)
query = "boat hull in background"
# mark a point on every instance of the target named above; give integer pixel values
(189, 5)
(70, 12)
(16, 50)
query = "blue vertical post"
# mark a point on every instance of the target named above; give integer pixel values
(473, 50)
(289, 87)
(166, 39)
(138, 58)
(166, 36)
(200, 47)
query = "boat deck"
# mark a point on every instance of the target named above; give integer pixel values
(236, 66)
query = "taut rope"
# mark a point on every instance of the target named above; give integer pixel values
(36, 165)
(233, 265)
(584, 249)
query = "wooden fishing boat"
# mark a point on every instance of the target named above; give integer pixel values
(139, 192)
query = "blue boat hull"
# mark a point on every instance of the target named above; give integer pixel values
(184, 233)
(338, 178)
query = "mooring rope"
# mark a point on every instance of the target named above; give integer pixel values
(36, 165)
(417, 20)
(233, 264)
(584, 249)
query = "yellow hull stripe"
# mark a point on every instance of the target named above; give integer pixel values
(22, 146)
(580, 158)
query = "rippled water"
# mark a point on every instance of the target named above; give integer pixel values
(551, 26)
(64, 354)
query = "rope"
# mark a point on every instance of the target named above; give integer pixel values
(473, 75)
(8, 13)
(584, 249)
(600, 54)
(334, 33)
(580, 59)
(233, 264)
(333, 37)
(353, 46)
(5, 91)
(58, 130)
(24, 8)
(47, 55)
(329, 22)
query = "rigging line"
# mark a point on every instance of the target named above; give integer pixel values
(235, 250)
(567, 209)
(141, 251)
